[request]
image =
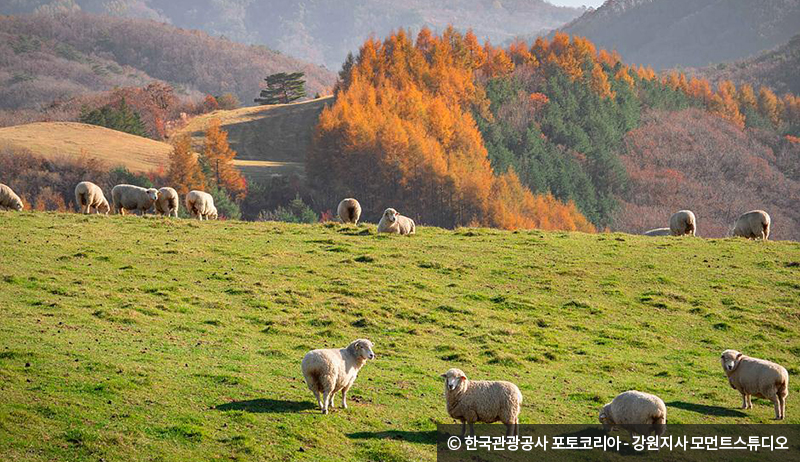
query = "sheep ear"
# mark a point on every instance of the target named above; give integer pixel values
(444, 376)
(738, 356)
(463, 377)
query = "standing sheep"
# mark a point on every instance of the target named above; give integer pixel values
(753, 225)
(658, 232)
(133, 198)
(9, 199)
(682, 223)
(330, 370)
(763, 379)
(349, 211)
(486, 401)
(89, 196)
(201, 205)
(637, 412)
(393, 222)
(168, 202)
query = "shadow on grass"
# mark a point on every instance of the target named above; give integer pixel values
(424, 437)
(262, 405)
(718, 411)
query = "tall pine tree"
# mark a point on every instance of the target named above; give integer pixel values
(283, 88)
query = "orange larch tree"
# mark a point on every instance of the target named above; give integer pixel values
(184, 172)
(219, 157)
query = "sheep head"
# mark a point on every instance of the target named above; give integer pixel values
(454, 379)
(730, 360)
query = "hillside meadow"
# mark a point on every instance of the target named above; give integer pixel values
(127, 338)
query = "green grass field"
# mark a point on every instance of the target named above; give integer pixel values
(126, 338)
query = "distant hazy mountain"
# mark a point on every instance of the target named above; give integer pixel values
(670, 33)
(323, 31)
(778, 68)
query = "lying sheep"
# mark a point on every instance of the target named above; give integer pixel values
(9, 199)
(486, 401)
(349, 211)
(168, 202)
(682, 223)
(330, 370)
(753, 225)
(637, 412)
(393, 222)
(201, 205)
(89, 196)
(133, 198)
(658, 232)
(751, 376)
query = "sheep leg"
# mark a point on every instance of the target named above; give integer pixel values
(463, 428)
(325, 401)
(344, 398)
(333, 395)
(319, 401)
(777, 401)
(472, 429)
(782, 399)
(744, 401)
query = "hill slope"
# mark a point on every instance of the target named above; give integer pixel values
(670, 33)
(777, 68)
(268, 139)
(70, 139)
(102, 356)
(46, 58)
(324, 31)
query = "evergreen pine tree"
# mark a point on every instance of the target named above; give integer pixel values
(283, 88)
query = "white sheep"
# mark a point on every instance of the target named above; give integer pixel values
(486, 401)
(393, 222)
(637, 412)
(683, 222)
(200, 205)
(133, 198)
(9, 199)
(327, 371)
(168, 202)
(349, 210)
(753, 225)
(752, 376)
(89, 196)
(658, 232)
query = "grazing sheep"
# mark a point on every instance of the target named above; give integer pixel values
(637, 412)
(89, 196)
(133, 198)
(9, 199)
(682, 223)
(349, 211)
(486, 401)
(658, 232)
(393, 222)
(751, 376)
(753, 225)
(168, 202)
(330, 370)
(201, 205)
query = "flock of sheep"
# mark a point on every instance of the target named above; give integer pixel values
(754, 224)
(329, 371)
(127, 198)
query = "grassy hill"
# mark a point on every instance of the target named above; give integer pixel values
(71, 139)
(140, 338)
(268, 139)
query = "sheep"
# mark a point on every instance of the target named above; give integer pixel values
(486, 401)
(201, 205)
(327, 371)
(9, 199)
(658, 232)
(349, 210)
(683, 222)
(168, 202)
(753, 225)
(133, 198)
(393, 222)
(637, 412)
(751, 376)
(89, 196)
